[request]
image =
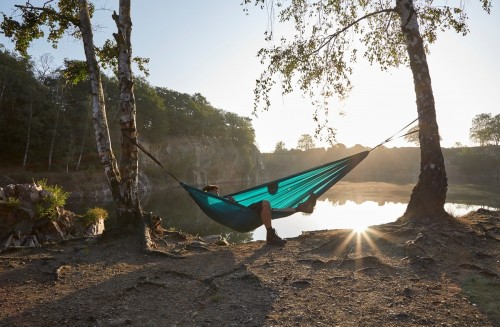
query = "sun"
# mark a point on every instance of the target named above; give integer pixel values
(360, 228)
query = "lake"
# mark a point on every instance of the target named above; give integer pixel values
(345, 205)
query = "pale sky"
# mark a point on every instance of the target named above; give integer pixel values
(210, 47)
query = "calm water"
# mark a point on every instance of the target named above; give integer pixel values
(346, 205)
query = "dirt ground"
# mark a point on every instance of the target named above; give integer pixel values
(443, 274)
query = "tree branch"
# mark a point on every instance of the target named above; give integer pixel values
(345, 28)
(50, 10)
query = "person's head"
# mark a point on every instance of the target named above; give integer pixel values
(211, 189)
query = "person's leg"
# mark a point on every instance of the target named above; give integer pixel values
(266, 216)
(308, 205)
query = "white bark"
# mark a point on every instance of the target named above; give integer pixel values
(29, 131)
(82, 147)
(99, 118)
(51, 151)
(129, 159)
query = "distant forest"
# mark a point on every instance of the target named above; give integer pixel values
(45, 121)
(391, 165)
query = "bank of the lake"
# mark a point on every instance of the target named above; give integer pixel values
(442, 273)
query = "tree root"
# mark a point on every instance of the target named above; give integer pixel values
(211, 281)
(26, 258)
(59, 271)
(14, 248)
(147, 281)
(164, 254)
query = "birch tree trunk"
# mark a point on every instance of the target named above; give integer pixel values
(51, 150)
(429, 194)
(83, 139)
(99, 119)
(129, 164)
(29, 130)
(124, 182)
(3, 87)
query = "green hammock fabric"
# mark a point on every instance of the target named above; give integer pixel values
(282, 193)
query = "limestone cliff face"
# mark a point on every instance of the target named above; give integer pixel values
(201, 161)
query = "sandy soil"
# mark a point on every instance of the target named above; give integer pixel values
(441, 274)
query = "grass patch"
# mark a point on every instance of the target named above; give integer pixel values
(483, 292)
(11, 203)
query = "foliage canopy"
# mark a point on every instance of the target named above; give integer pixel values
(485, 129)
(330, 36)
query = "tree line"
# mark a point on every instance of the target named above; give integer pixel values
(391, 165)
(45, 120)
(484, 131)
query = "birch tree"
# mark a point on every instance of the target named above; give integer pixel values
(28, 136)
(58, 105)
(74, 16)
(321, 56)
(305, 142)
(84, 135)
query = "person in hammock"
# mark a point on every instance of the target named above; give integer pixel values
(263, 208)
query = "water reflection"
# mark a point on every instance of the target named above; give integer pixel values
(359, 205)
(179, 211)
(346, 205)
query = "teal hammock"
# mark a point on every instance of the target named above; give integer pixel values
(284, 193)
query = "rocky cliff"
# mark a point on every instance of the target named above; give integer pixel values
(192, 160)
(201, 161)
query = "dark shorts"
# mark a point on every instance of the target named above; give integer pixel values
(257, 207)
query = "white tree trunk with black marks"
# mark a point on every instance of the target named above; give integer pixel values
(99, 119)
(29, 131)
(123, 180)
(82, 147)
(129, 163)
(51, 150)
(429, 194)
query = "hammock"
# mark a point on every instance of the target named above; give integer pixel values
(284, 193)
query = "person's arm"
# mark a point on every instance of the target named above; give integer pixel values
(230, 198)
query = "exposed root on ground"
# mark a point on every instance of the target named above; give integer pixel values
(164, 254)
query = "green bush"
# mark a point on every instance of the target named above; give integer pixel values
(47, 206)
(93, 215)
(11, 203)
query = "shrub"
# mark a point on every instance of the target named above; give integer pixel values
(12, 202)
(47, 205)
(93, 215)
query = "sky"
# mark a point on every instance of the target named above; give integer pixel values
(210, 47)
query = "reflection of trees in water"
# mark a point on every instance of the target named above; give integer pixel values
(178, 210)
(458, 210)
(481, 195)
(381, 193)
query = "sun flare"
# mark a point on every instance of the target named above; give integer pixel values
(360, 228)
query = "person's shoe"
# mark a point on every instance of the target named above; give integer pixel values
(273, 238)
(308, 205)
